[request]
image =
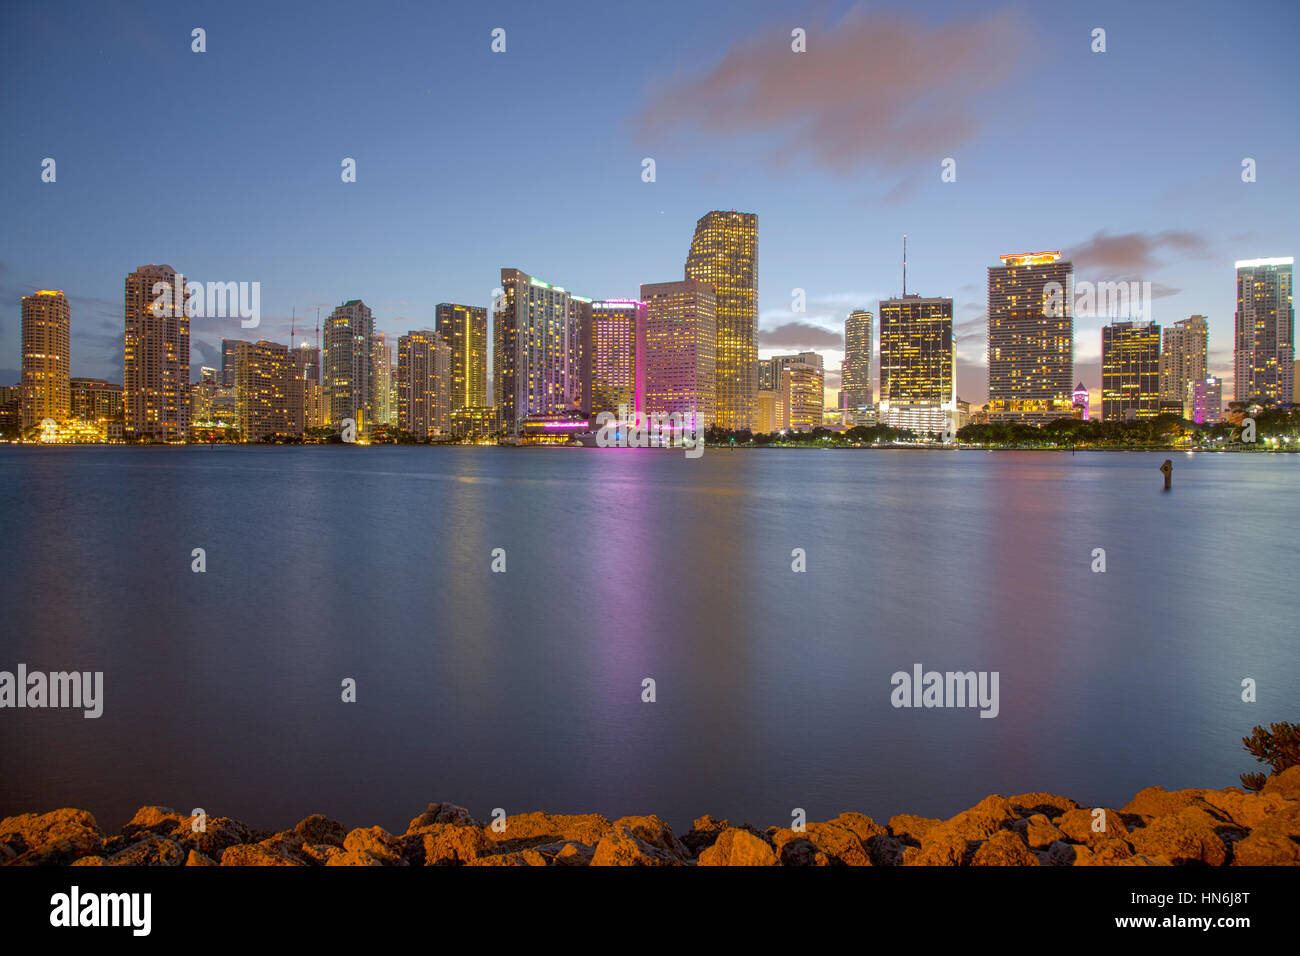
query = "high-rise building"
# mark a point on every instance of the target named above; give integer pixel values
(228, 362)
(267, 391)
(310, 397)
(724, 254)
(616, 356)
(425, 378)
(537, 368)
(855, 371)
(1031, 338)
(381, 389)
(1264, 344)
(802, 395)
(770, 410)
(347, 363)
(1183, 356)
(156, 355)
(94, 399)
(47, 357)
(1204, 401)
(680, 339)
(917, 388)
(801, 380)
(1130, 371)
(464, 330)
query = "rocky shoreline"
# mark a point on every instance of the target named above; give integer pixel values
(1156, 828)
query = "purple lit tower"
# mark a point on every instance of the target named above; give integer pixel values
(1080, 397)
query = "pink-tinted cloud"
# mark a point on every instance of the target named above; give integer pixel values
(799, 335)
(1134, 253)
(876, 88)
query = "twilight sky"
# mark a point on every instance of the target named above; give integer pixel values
(226, 164)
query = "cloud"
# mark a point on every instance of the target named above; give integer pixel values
(1135, 253)
(877, 88)
(799, 335)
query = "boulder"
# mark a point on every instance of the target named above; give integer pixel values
(737, 847)
(1047, 804)
(621, 847)
(1187, 836)
(60, 836)
(320, 829)
(150, 849)
(378, 843)
(1004, 848)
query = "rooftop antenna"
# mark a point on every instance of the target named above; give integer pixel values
(292, 318)
(904, 265)
(318, 328)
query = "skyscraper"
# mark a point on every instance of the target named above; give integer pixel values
(680, 339)
(381, 386)
(347, 361)
(724, 253)
(1130, 371)
(424, 384)
(1204, 401)
(616, 356)
(537, 367)
(1031, 338)
(917, 389)
(267, 394)
(855, 371)
(1264, 344)
(801, 380)
(1183, 359)
(47, 356)
(310, 397)
(94, 399)
(156, 355)
(463, 329)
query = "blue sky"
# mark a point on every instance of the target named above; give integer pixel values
(226, 164)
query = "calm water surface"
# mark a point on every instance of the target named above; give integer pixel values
(523, 690)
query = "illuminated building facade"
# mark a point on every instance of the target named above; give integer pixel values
(156, 355)
(770, 411)
(266, 392)
(1264, 342)
(801, 380)
(382, 390)
(1183, 355)
(855, 372)
(1130, 371)
(47, 357)
(424, 384)
(94, 399)
(802, 395)
(1030, 338)
(680, 339)
(463, 328)
(537, 364)
(311, 395)
(1080, 401)
(346, 363)
(917, 389)
(1204, 401)
(616, 355)
(724, 254)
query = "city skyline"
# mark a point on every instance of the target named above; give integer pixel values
(255, 221)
